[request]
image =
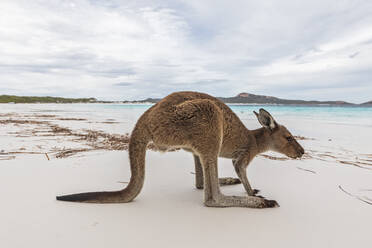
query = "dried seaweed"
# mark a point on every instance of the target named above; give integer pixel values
(7, 157)
(60, 130)
(354, 163)
(298, 137)
(12, 121)
(69, 152)
(40, 116)
(306, 170)
(71, 119)
(355, 196)
(109, 121)
(274, 158)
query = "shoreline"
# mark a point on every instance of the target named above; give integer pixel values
(353, 105)
(86, 140)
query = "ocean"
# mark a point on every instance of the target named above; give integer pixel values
(129, 113)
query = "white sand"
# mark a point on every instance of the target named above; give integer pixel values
(169, 212)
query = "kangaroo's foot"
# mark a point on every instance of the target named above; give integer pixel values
(241, 201)
(223, 181)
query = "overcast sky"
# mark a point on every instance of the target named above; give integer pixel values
(116, 50)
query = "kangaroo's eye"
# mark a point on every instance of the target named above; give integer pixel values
(289, 138)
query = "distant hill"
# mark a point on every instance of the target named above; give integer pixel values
(43, 99)
(251, 98)
(147, 100)
(259, 99)
(367, 103)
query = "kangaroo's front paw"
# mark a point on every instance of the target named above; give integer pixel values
(270, 204)
(255, 191)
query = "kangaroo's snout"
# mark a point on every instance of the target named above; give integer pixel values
(300, 152)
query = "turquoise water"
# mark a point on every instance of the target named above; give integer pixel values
(131, 112)
(348, 115)
(318, 112)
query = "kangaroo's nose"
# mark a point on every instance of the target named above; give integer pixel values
(302, 151)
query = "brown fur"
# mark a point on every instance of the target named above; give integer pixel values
(208, 128)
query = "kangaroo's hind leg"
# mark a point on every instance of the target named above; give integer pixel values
(199, 181)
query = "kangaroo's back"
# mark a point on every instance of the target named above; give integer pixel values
(183, 96)
(235, 134)
(174, 99)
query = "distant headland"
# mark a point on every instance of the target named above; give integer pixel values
(242, 98)
(247, 98)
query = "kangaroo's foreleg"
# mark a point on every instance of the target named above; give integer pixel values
(199, 181)
(240, 166)
(214, 198)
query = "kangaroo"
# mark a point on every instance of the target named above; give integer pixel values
(208, 128)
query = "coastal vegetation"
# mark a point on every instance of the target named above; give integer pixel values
(43, 99)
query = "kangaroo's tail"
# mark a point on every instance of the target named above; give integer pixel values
(137, 152)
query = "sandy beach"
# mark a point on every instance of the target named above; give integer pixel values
(325, 198)
(76, 75)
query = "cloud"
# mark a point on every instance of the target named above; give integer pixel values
(123, 84)
(353, 55)
(311, 50)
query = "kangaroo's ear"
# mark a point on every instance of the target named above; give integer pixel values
(266, 119)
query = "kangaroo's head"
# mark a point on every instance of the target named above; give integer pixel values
(280, 139)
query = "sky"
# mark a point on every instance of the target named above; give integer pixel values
(126, 50)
